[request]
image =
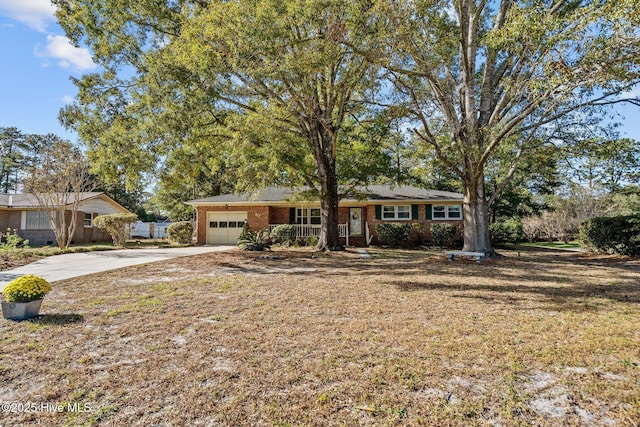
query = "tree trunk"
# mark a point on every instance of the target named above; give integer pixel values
(329, 237)
(476, 218)
(59, 223)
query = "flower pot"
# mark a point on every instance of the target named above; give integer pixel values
(21, 310)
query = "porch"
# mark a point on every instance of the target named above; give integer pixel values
(305, 230)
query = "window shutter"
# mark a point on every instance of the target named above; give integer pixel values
(292, 215)
(429, 211)
(414, 212)
(378, 211)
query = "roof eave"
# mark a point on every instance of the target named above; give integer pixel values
(342, 202)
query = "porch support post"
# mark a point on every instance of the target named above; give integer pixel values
(347, 234)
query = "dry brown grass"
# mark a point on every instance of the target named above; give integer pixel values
(403, 338)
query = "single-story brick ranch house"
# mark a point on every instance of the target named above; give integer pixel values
(220, 219)
(23, 212)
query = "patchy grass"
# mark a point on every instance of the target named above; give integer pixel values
(302, 338)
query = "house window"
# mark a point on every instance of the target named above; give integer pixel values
(395, 212)
(447, 212)
(37, 220)
(454, 212)
(88, 220)
(308, 216)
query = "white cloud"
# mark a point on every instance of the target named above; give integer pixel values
(67, 99)
(36, 14)
(66, 54)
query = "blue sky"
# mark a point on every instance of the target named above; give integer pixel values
(38, 60)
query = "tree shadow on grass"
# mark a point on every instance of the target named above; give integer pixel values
(575, 297)
(57, 319)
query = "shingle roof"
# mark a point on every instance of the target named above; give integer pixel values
(28, 200)
(378, 193)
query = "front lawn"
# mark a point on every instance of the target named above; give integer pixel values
(553, 245)
(291, 338)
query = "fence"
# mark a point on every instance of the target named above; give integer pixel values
(148, 230)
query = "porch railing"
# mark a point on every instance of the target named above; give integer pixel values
(304, 230)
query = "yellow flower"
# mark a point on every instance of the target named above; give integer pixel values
(26, 288)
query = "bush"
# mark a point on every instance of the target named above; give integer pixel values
(284, 234)
(312, 241)
(507, 231)
(416, 235)
(443, 234)
(26, 288)
(614, 235)
(10, 241)
(254, 241)
(393, 233)
(180, 233)
(116, 226)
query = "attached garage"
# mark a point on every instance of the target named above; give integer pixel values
(224, 228)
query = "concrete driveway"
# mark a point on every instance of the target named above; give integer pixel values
(66, 266)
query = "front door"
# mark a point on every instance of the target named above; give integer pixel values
(355, 221)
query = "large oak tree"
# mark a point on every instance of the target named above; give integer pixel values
(268, 77)
(475, 74)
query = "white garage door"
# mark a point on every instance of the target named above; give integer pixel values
(224, 228)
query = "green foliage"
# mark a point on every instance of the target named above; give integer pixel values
(393, 233)
(265, 89)
(312, 241)
(13, 157)
(10, 241)
(604, 163)
(116, 226)
(443, 234)
(254, 240)
(26, 288)
(615, 235)
(507, 231)
(180, 233)
(285, 234)
(474, 61)
(416, 234)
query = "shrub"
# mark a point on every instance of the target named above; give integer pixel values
(312, 241)
(284, 234)
(10, 241)
(26, 288)
(393, 233)
(116, 226)
(443, 234)
(507, 231)
(416, 235)
(254, 240)
(616, 235)
(180, 233)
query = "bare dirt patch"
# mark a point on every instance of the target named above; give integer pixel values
(9, 261)
(402, 338)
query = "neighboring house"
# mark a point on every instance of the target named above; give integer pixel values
(220, 219)
(24, 213)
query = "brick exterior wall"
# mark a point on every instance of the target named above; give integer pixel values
(260, 217)
(279, 215)
(422, 215)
